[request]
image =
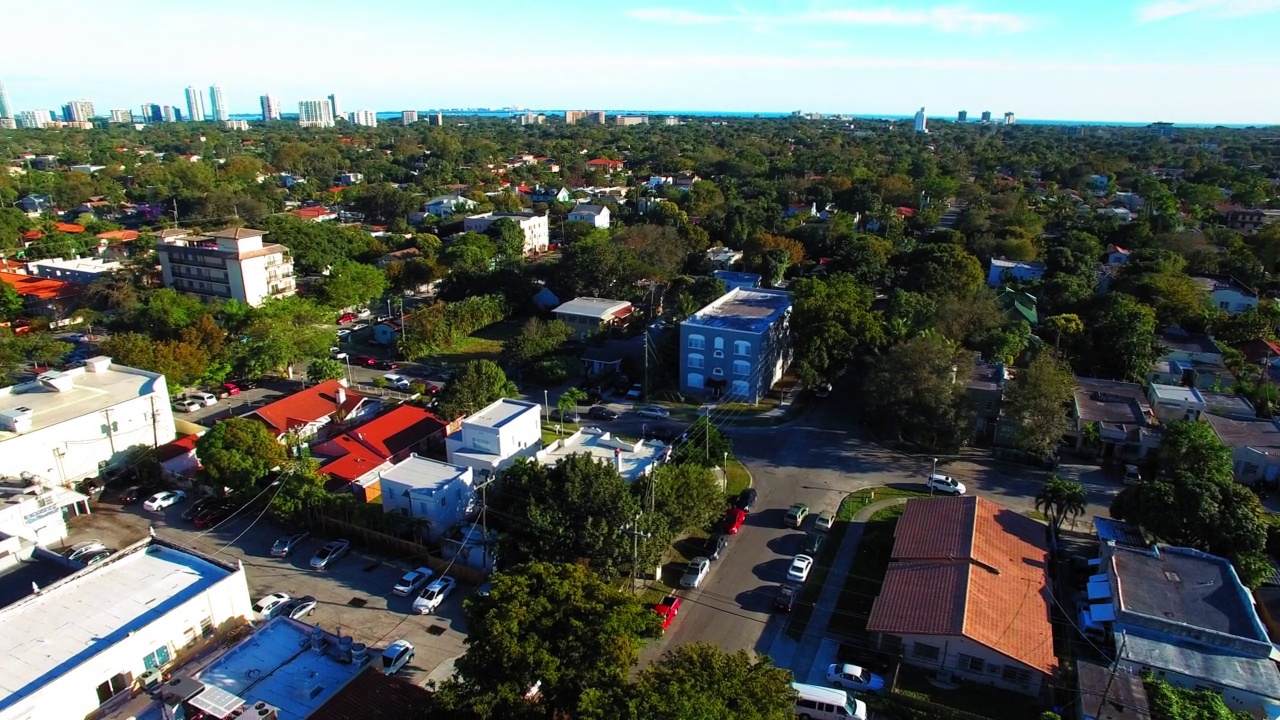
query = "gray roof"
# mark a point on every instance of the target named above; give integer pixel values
(591, 307)
(1256, 675)
(750, 310)
(1254, 433)
(1111, 402)
(591, 209)
(1108, 696)
(1178, 339)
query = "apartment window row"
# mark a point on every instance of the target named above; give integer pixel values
(696, 361)
(697, 342)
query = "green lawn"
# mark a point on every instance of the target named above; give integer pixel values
(736, 478)
(855, 501)
(483, 344)
(866, 574)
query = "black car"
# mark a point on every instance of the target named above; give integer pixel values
(138, 492)
(593, 394)
(785, 600)
(600, 412)
(562, 416)
(812, 542)
(386, 365)
(299, 608)
(664, 433)
(746, 500)
(198, 507)
(244, 383)
(716, 545)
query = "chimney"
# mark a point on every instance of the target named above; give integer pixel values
(317, 638)
(340, 397)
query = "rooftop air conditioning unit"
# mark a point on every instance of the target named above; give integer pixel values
(16, 420)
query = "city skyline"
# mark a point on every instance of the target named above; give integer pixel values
(1134, 60)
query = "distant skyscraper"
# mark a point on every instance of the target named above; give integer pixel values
(334, 109)
(367, 118)
(6, 110)
(986, 116)
(599, 117)
(408, 117)
(270, 107)
(315, 113)
(195, 105)
(33, 118)
(439, 118)
(1009, 119)
(121, 116)
(922, 123)
(177, 114)
(217, 103)
(963, 116)
(77, 111)
(571, 117)
(167, 113)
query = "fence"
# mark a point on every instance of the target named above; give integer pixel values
(406, 549)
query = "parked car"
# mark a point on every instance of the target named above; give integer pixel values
(667, 609)
(825, 520)
(945, 484)
(732, 521)
(285, 546)
(812, 542)
(635, 391)
(345, 318)
(795, 515)
(412, 581)
(570, 416)
(800, 567)
(81, 550)
(746, 500)
(209, 399)
(854, 677)
(397, 655)
(330, 554)
(343, 334)
(785, 600)
(434, 594)
(823, 390)
(397, 382)
(164, 499)
(271, 605)
(386, 365)
(359, 326)
(299, 608)
(97, 557)
(600, 412)
(653, 411)
(716, 545)
(244, 383)
(594, 395)
(187, 405)
(697, 572)
(214, 514)
(364, 360)
(663, 433)
(338, 353)
(137, 492)
(1131, 475)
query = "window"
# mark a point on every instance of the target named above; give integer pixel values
(694, 380)
(190, 637)
(1016, 675)
(696, 361)
(1249, 470)
(970, 663)
(739, 388)
(697, 342)
(741, 367)
(719, 343)
(157, 658)
(922, 651)
(719, 353)
(718, 371)
(117, 684)
(741, 347)
(206, 628)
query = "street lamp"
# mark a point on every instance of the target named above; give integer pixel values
(932, 472)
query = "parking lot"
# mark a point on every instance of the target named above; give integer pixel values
(354, 596)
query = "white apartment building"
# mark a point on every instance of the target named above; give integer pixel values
(80, 271)
(195, 105)
(234, 263)
(270, 107)
(90, 640)
(78, 111)
(424, 489)
(922, 122)
(315, 113)
(597, 215)
(121, 116)
(367, 118)
(632, 460)
(491, 439)
(33, 118)
(235, 125)
(217, 103)
(536, 231)
(65, 426)
(408, 117)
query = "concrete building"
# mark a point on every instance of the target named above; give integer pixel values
(65, 426)
(967, 594)
(588, 316)
(536, 231)
(1194, 360)
(270, 105)
(597, 215)
(437, 494)
(240, 125)
(962, 116)
(1228, 294)
(1003, 271)
(335, 111)
(733, 280)
(70, 653)
(121, 116)
(1126, 425)
(722, 258)
(217, 104)
(738, 346)
(921, 122)
(572, 117)
(315, 114)
(1010, 119)
(1175, 402)
(625, 120)
(6, 110)
(408, 117)
(78, 111)
(80, 271)
(233, 263)
(33, 119)
(491, 439)
(986, 116)
(632, 460)
(366, 118)
(195, 104)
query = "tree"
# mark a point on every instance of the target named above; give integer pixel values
(1060, 499)
(1192, 448)
(913, 393)
(477, 384)
(536, 339)
(508, 238)
(238, 453)
(1066, 327)
(685, 496)
(322, 369)
(1037, 401)
(1169, 702)
(832, 324)
(1123, 338)
(703, 445)
(570, 400)
(558, 625)
(350, 284)
(943, 269)
(282, 332)
(11, 303)
(699, 680)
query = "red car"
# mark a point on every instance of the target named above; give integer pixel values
(346, 318)
(364, 360)
(667, 610)
(231, 388)
(733, 520)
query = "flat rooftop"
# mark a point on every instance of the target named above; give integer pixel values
(500, 412)
(632, 459)
(592, 307)
(1177, 585)
(1256, 433)
(277, 665)
(1228, 405)
(1176, 393)
(49, 633)
(1176, 339)
(1251, 674)
(423, 473)
(1109, 401)
(750, 310)
(90, 392)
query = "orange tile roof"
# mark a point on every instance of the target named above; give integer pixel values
(118, 235)
(39, 287)
(312, 212)
(306, 406)
(605, 161)
(68, 227)
(982, 568)
(32, 234)
(389, 436)
(177, 448)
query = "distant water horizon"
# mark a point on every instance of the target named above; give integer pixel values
(996, 120)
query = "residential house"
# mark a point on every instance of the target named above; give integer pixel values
(1019, 305)
(1105, 695)
(232, 264)
(646, 204)
(1250, 220)
(967, 594)
(404, 255)
(446, 205)
(536, 230)
(490, 440)
(596, 215)
(81, 271)
(352, 459)
(588, 316)
(68, 228)
(315, 213)
(685, 181)
(722, 258)
(1254, 443)
(1004, 271)
(985, 388)
(542, 194)
(544, 299)
(438, 494)
(632, 460)
(314, 411)
(738, 346)
(1175, 402)
(1126, 426)
(178, 460)
(46, 297)
(34, 205)
(733, 280)
(1228, 294)
(801, 210)
(604, 164)
(1194, 360)
(1117, 255)
(1184, 616)
(350, 178)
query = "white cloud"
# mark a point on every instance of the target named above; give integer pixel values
(1165, 9)
(950, 18)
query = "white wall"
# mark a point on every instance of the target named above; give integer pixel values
(950, 649)
(1233, 301)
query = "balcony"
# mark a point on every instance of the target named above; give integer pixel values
(182, 271)
(180, 258)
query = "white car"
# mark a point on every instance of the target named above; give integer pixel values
(412, 580)
(329, 554)
(338, 353)
(162, 500)
(800, 567)
(434, 594)
(343, 334)
(187, 405)
(697, 572)
(209, 399)
(945, 484)
(653, 411)
(397, 655)
(271, 605)
(399, 382)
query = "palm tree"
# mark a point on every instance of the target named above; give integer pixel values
(1061, 498)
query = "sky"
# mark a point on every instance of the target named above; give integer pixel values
(1190, 61)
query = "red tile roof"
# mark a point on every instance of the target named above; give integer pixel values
(42, 288)
(177, 448)
(313, 212)
(118, 235)
(68, 227)
(389, 436)
(604, 162)
(982, 568)
(32, 234)
(906, 212)
(306, 406)
(374, 695)
(1259, 351)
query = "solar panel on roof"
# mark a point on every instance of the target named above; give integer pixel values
(216, 701)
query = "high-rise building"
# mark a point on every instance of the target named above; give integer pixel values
(167, 112)
(630, 119)
(315, 113)
(963, 116)
(1009, 119)
(408, 117)
(439, 118)
(121, 116)
(922, 123)
(270, 107)
(77, 111)
(217, 103)
(599, 117)
(245, 268)
(6, 110)
(986, 116)
(367, 118)
(177, 114)
(571, 117)
(195, 104)
(334, 109)
(33, 118)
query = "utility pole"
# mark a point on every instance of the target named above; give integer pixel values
(484, 507)
(175, 212)
(932, 472)
(1115, 665)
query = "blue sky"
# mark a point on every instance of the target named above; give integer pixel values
(1125, 60)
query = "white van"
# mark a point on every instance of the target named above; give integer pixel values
(824, 703)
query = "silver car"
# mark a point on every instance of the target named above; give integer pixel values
(330, 554)
(285, 546)
(697, 572)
